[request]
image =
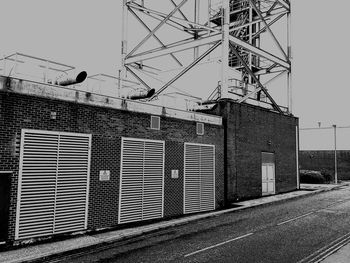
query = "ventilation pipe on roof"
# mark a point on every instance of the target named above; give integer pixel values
(143, 95)
(70, 80)
(206, 102)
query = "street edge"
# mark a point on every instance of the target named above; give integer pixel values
(181, 221)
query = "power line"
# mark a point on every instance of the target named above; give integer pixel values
(324, 128)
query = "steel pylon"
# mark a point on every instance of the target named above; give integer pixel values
(235, 30)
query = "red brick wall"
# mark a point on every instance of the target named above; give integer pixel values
(107, 126)
(251, 130)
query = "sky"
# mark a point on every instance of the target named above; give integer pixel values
(87, 35)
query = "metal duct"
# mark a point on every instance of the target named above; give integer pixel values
(70, 80)
(143, 95)
(206, 102)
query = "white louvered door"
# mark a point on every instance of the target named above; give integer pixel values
(207, 174)
(72, 183)
(53, 183)
(131, 181)
(199, 178)
(192, 180)
(153, 180)
(141, 180)
(37, 184)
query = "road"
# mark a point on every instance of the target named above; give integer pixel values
(299, 230)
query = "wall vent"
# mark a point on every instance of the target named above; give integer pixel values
(200, 128)
(155, 123)
(53, 183)
(141, 195)
(199, 178)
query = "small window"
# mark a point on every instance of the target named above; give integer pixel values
(155, 122)
(200, 128)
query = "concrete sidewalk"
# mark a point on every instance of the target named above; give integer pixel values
(38, 251)
(340, 256)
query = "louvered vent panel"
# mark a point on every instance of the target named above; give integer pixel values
(130, 203)
(72, 183)
(207, 173)
(38, 175)
(199, 185)
(192, 179)
(53, 183)
(153, 180)
(141, 191)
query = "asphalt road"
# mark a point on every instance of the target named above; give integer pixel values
(297, 230)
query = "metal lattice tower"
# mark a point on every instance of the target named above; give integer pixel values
(235, 30)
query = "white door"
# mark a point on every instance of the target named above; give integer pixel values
(268, 174)
(268, 179)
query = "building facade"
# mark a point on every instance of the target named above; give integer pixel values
(261, 149)
(72, 161)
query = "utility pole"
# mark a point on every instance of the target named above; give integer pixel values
(335, 154)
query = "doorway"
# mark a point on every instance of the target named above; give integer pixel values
(4, 204)
(268, 173)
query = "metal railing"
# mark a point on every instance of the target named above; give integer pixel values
(33, 68)
(239, 89)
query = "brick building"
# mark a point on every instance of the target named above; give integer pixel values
(74, 161)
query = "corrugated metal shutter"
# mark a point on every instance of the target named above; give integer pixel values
(199, 178)
(142, 180)
(53, 183)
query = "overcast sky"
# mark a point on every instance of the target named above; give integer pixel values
(87, 33)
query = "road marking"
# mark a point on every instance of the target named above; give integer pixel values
(293, 219)
(217, 245)
(327, 250)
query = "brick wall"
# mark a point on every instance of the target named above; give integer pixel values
(324, 161)
(249, 131)
(107, 126)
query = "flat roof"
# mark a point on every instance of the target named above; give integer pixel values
(71, 94)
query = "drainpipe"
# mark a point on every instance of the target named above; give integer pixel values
(297, 154)
(224, 120)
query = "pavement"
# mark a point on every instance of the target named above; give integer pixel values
(37, 251)
(340, 256)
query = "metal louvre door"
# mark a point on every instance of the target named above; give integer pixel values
(72, 184)
(207, 174)
(153, 180)
(199, 178)
(53, 183)
(141, 180)
(131, 181)
(192, 182)
(37, 184)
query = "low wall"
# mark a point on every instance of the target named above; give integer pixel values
(324, 161)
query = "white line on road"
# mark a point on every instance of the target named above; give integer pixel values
(217, 245)
(293, 219)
